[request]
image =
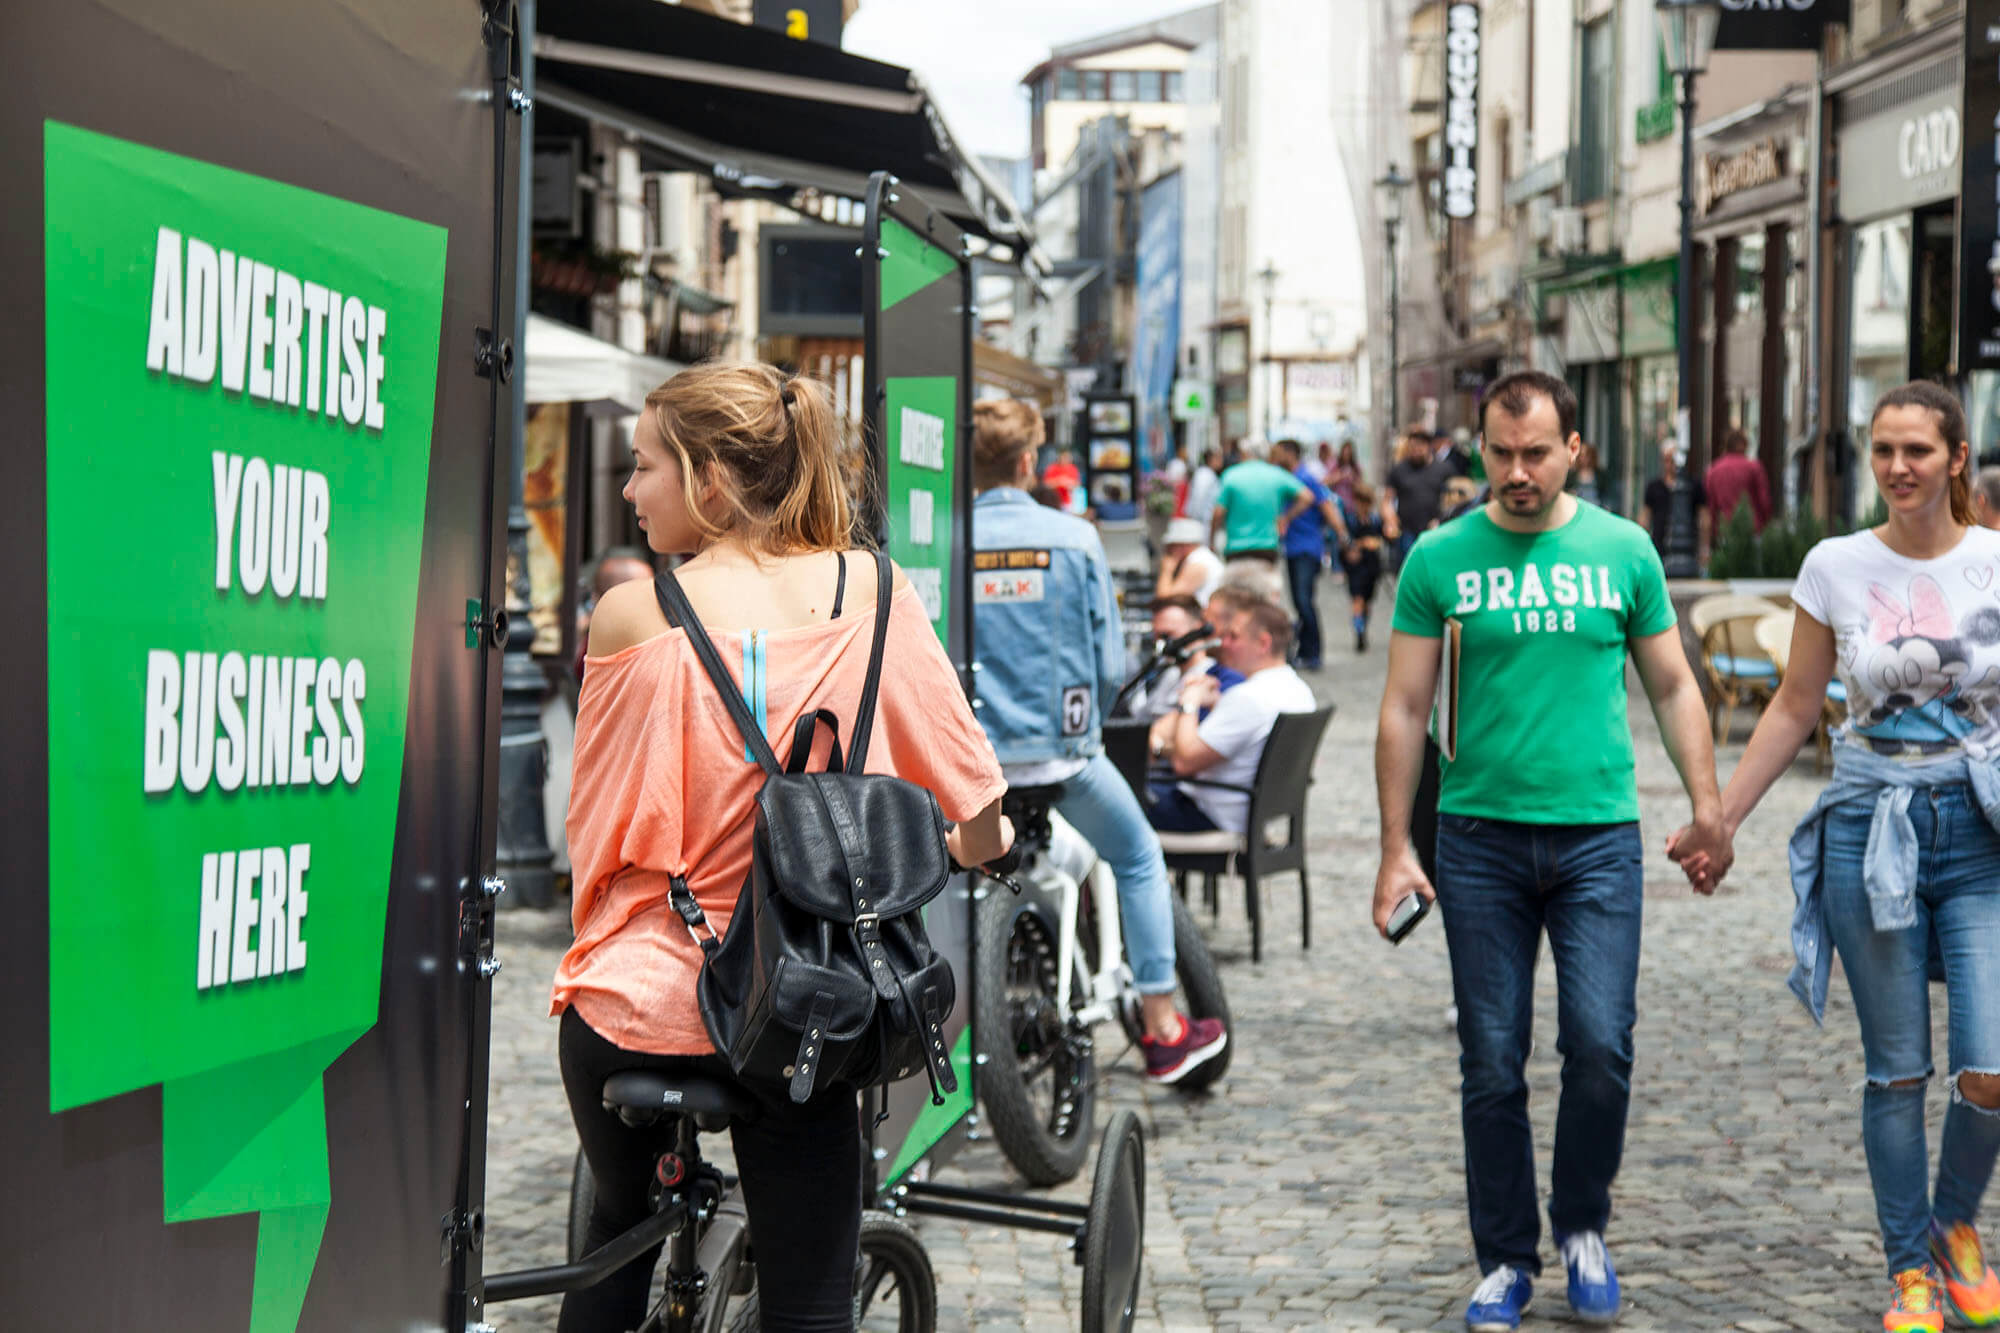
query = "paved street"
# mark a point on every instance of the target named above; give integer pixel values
(1321, 1185)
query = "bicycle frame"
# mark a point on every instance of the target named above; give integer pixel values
(1069, 848)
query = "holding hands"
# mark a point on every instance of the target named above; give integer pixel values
(1704, 850)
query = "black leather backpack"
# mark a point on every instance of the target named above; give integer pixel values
(826, 977)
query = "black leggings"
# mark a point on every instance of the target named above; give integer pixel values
(801, 1174)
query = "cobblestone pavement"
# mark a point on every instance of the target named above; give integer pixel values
(1321, 1186)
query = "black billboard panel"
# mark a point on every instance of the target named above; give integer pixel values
(250, 784)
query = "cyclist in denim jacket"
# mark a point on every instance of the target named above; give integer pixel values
(1050, 660)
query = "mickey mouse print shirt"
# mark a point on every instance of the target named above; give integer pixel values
(1917, 642)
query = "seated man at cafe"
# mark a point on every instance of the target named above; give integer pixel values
(1225, 746)
(1175, 618)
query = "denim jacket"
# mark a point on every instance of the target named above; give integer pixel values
(1048, 649)
(1888, 865)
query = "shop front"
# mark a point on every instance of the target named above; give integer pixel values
(1615, 329)
(1751, 211)
(1900, 144)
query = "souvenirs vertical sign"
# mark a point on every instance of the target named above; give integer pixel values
(1461, 109)
(240, 383)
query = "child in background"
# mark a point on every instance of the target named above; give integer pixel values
(1367, 534)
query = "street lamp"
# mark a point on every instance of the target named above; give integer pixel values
(1687, 30)
(1267, 279)
(1392, 185)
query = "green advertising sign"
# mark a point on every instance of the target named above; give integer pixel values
(240, 385)
(922, 494)
(917, 353)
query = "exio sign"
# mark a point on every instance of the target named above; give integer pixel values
(1461, 118)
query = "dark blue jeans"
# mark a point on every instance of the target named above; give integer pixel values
(1500, 885)
(1304, 574)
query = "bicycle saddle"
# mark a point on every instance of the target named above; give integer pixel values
(1029, 808)
(642, 1097)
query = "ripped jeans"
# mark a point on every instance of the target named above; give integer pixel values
(1958, 898)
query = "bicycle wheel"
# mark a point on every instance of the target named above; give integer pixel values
(1201, 994)
(895, 1290)
(1114, 1236)
(1037, 1075)
(582, 1196)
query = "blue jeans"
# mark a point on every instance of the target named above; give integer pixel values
(1500, 885)
(1304, 573)
(1958, 903)
(1100, 804)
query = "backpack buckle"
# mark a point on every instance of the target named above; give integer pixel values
(867, 920)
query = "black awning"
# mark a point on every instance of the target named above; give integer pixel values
(758, 109)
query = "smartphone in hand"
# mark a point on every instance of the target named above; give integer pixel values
(1414, 908)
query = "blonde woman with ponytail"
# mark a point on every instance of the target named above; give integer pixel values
(741, 468)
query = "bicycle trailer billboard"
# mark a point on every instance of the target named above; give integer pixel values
(917, 330)
(248, 763)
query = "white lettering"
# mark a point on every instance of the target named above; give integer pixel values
(1562, 579)
(1531, 588)
(1500, 589)
(163, 341)
(285, 342)
(218, 875)
(1468, 592)
(163, 692)
(203, 289)
(263, 285)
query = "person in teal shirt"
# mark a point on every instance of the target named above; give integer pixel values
(1257, 502)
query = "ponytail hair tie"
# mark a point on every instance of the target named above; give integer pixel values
(788, 395)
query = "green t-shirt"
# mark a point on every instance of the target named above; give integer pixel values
(1254, 493)
(1546, 620)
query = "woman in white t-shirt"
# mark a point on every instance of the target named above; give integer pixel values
(1901, 848)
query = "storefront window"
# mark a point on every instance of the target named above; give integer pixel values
(1149, 85)
(1878, 338)
(1744, 395)
(1124, 85)
(1982, 416)
(1652, 415)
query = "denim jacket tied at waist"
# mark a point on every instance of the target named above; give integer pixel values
(1888, 865)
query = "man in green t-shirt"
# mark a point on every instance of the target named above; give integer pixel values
(1258, 500)
(1538, 829)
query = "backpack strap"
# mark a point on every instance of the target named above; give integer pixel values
(802, 740)
(681, 898)
(674, 605)
(864, 716)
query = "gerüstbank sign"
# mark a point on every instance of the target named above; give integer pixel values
(240, 386)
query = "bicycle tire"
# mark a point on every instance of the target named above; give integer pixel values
(1201, 988)
(582, 1196)
(893, 1259)
(1114, 1237)
(1014, 1026)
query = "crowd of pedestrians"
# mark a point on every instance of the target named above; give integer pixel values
(1504, 762)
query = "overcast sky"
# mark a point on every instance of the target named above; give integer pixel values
(972, 53)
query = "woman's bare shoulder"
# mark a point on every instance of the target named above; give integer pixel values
(626, 614)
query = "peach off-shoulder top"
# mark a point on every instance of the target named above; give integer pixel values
(663, 785)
